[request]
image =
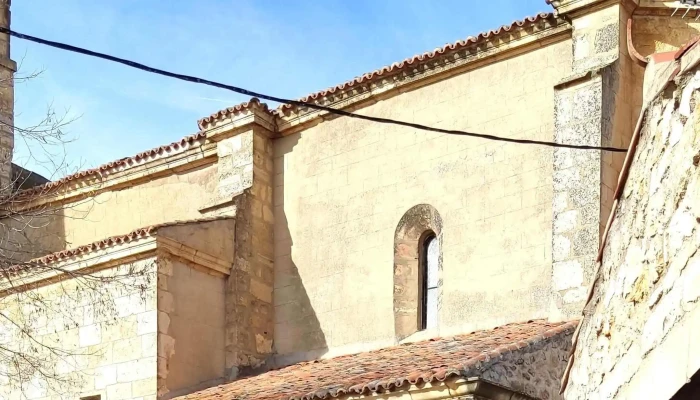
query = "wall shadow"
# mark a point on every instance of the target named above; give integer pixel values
(28, 234)
(298, 333)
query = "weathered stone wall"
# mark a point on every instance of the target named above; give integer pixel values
(191, 320)
(110, 337)
(535, 370)
(660, 33)
(54, 227)
(342, 186)
(7, 101)
(170, 198)
(597, 105)
(637, 339)
(249, 311)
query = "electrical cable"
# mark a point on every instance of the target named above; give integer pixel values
(298, 103)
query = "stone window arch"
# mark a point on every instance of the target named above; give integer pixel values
(417, 270)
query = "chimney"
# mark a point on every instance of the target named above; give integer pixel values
(7, 101)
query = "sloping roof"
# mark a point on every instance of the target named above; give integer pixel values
(384, 71)
(111, 241)
(183, 144)
(386, 369)
(23, 178)
(119, 165)
(420, 58)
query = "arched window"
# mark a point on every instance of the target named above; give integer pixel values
(417, 269)
(429, 291)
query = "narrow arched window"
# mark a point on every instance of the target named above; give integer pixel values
(429, 291)
(417, 271)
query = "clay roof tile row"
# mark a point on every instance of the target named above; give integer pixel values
(418, 58)
(237, 109)
(118, 165)
(386, 369)
(203, 123)
(111, 241)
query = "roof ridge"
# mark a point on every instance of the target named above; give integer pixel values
(380, 72)
(400, 65)
(556, 328)
(134, 235)
(255, 103)
(119, 165)
(388, 368)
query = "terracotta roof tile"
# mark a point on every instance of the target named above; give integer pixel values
(418, 58)
(116, 240)
(253, 103)
(127, 162)
(116, 166)
(381, 72)
(385, 369)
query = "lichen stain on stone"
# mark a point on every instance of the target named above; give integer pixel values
(661, 267)
(640, 288)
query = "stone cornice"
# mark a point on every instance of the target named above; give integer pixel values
(121, 254)
(660, 9)
(79, 188)
(199, 258)
(231, 121)
(575, 8)
(490, 50)
(200, 149)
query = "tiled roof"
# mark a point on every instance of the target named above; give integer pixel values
(386, 369)
(237, 109)
(118, 165)
(419, 58)
(381, 72)
(127, 162)
(97, 245)
(109, 242)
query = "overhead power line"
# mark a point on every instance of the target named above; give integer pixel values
(250, 93)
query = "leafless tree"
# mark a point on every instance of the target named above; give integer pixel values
(41, 300)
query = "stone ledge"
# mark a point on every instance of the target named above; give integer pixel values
(575, 8)
(123, 254)
(8, 64)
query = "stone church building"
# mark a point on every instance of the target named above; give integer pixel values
(290, 253)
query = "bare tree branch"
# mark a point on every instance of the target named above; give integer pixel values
(43, 302)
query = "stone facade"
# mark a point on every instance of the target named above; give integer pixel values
(112, 354)
(158, 331)
(636, 340)
(7, 99)
(343, 186)
(302, 228)
(534, 370)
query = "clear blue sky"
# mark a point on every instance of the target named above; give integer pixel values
(284, 48)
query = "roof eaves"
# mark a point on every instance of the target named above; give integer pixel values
(114, 166)
(376, 383)
(133, 236)
(420, 58)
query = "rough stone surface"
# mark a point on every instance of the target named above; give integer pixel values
(110, 354)
(578, 109)
(534, 370)
(648, 277)
(7, 96)
(249, 310)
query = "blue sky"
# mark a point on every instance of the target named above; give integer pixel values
(284, 48)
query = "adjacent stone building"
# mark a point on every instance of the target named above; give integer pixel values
(290, 253)
(638, 336)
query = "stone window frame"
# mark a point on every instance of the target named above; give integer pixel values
(416, 225)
